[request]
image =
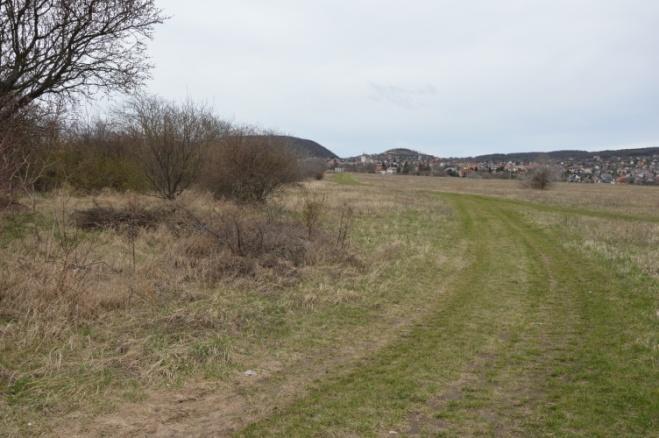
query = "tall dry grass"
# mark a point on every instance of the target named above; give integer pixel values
(149, 303)
(621, 198)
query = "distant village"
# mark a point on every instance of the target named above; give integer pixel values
(617, 167)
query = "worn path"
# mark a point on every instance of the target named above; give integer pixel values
(528, 339)
(532, 340)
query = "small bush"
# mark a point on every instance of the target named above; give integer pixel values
(540, 178)
(239, 241)
(312, 210)
(249, 168)
(346, 216)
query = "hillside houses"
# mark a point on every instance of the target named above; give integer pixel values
(611, 167)
(614, 169)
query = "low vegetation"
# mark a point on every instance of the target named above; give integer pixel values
(79, 270)
(397, 294)
(165, 272)
(540, 178)
(249, 168)
(148, 146)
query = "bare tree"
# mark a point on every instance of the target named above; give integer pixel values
(26, 145)
(67, 47)
(172, 139)
(9, 165)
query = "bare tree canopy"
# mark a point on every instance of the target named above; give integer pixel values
(68, 47)
(171, 139)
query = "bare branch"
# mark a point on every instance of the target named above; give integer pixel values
(72, 47)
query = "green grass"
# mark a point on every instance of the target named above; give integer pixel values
(16, 226)
(530, 340)
(461, 315)
(552, 208)
(345, 179)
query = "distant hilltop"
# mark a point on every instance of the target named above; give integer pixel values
(402, 154)
(307, 148)
(301, 147)
(624, 166)
(397, 154)
(564, 155)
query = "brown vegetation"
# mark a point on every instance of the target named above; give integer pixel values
(92, 156)
(172, 140)
(540, 178)
(249, 168)
(61, 269)
(106, 218)
(27, 142)
(312, 211)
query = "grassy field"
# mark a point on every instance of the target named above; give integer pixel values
(458, 308)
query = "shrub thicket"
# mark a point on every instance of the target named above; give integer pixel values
(94, 156)
(171, 140)
(153, 145)
(249, 168)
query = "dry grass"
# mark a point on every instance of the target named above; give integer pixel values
(93, 318)
(632, 245)
(621, 198)
(88, 306)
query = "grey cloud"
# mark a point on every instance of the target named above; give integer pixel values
(450, 77)
(407, 98)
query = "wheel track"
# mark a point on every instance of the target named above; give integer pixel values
(475, 318)
(511, 388)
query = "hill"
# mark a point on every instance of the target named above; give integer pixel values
(402, 151)
(302, 147)
(307, 148)
(399, 154)
(568, 154)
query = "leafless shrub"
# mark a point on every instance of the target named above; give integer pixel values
(313, 206)
(8, 165)
(94, 155)
(346, 216)
(239, 241)
(246, 232)
(27, 142)
(249, 168)
(540, 178)
(108, 217)
(172, 139)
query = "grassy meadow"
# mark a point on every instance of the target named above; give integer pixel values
(360, 305)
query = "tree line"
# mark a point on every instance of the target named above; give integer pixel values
(54, 52)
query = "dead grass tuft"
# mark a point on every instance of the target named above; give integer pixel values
(108, 217)
(86, 304)
(8, 205)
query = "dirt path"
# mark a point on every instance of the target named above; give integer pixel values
(528, 340)
(535, 341)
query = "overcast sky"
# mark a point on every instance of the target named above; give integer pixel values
(447, 77)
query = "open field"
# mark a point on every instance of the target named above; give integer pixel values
(457, 308)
